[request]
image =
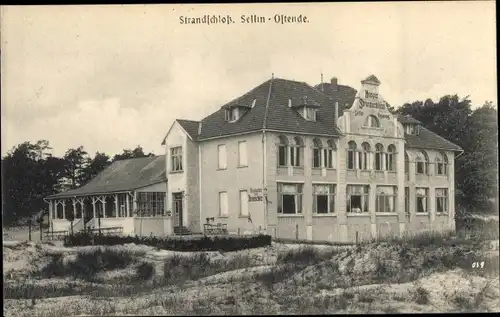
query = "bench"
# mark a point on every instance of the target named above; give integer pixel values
(215, 229)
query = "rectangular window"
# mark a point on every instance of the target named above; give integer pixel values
(420, 167)
(176, 158)
(227, 115)
(290, 198)
(389, 161)
(282, 155)
(295, 158)
(407, 200)
(316, 158)
(378, 161)
(222, 156)
(358, 198)
(441, 200)
(329, 158)
(323, 198)
(242, 153)
(151, 204)
(386, 199)
(310, 114)
(360, 160)
(350, 159)
(243, 203)
(422, 200)
(223, 204)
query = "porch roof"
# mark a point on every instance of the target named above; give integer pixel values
(123, 175)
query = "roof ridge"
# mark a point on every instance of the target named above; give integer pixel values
(246, 94)
(187, 120)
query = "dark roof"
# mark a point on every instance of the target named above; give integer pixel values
(276, 93)
(191, 127)
(123, 175)
(279, 116)
(426, 139)
(371, 79)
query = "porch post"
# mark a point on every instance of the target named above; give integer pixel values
(64, 209)
(116, 205)
(134, 203)
(50, 213)
(93, 206)
(74, 208)
(103, 206)
(127, 202)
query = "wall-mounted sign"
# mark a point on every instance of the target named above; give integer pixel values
(371, 104)
(371, 95)
(386, 116)
(255, 194)
(358, 113)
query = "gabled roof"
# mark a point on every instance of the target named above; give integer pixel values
(371, 79)
(190, 126)
(275, 93)
(123, 175)
(426, 139)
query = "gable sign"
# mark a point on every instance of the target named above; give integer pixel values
(372, 104)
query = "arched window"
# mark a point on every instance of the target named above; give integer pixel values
(351, 155)
(317, 146)
(379, 152)
(282, 150)
(330, 154)
(372, 122)
(296, 152)
(365, 156)
(441, 164)
(390, 161)
(422, 161)
(407, 163)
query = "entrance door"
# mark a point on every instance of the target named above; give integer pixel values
(177, 209)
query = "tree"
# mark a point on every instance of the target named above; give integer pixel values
(75, 163)
(94, 166)
(128, 154)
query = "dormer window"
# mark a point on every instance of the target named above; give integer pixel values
(306, 107)
(411, 129)
(231, 114)
(310, 113)
(234, 112)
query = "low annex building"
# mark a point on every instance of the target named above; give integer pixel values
(321, 163)
(129, 194)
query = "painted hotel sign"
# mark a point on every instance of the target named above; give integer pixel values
(255, 194)
(371, 104)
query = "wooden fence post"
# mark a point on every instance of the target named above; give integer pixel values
(29, 229)
(41, 233)
(296, 232)
(357, 238)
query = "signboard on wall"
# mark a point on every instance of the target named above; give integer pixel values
(255, 194)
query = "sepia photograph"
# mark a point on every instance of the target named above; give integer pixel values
(250, 159)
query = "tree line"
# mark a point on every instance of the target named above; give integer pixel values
(30, 172)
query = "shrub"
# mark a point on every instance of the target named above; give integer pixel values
(420, 295)
(204, 243)
(145, 271)
(305, 256)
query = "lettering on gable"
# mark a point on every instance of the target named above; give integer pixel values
(371, 104)
(371, 95)
(386, 116)
(358, 113)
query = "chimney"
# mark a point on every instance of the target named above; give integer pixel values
(334, 81)
(336, 114)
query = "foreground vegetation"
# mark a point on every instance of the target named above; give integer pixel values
(402, 275)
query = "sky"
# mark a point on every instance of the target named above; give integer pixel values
(113, 77)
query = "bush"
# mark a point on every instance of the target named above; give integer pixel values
(305, 256)
(145, 271)
(204, 243)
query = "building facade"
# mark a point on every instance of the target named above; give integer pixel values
(319, 163)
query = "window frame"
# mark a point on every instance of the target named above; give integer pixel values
(351, 151)
(224, 194)
(445, 198)
(379, 154)
(241, 214)
(219, 167)
(390, 158)
(331, 196)
(151, 204)
(283, 145)
(176, 159)
(380, 199)
(240, 155)
(417, 196)
(298, 198)
(365, 198)
(317, 154)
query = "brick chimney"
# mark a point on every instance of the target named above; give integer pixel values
(334, 81)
